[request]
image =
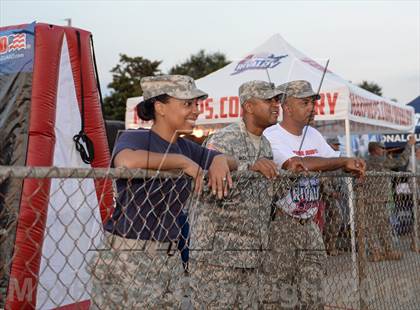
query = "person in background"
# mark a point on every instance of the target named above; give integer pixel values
(417, 164)
(416, 222)
(376, 196)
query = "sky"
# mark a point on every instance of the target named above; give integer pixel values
(377, 41)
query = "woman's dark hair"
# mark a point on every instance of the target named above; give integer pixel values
(146, 108)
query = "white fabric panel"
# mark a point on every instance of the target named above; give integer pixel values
(73, 222)
(336, 103)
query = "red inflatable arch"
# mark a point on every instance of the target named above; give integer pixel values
(58, 220)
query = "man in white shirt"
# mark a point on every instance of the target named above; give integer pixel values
(297, 257)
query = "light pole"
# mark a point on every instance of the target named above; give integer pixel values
(68, 20)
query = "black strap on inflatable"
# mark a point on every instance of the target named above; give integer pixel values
(98, 85)
(87, 154)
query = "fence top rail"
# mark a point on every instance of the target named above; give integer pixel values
(125, 173)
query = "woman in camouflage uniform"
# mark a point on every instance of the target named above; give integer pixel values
(140, 266)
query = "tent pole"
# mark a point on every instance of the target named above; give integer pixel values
(348, 138)
(351, 207)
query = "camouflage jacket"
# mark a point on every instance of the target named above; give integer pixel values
(377, 189)
(233, 231)
(385, 163)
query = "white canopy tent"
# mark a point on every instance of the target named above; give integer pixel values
(343, 107)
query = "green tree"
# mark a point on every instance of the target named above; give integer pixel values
(125, 83)
(372, 87)
(200, 64)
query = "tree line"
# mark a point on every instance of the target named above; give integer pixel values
(126, 76)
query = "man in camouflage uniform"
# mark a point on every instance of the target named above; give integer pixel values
(229, 234)
(295, 262)
(375, 194)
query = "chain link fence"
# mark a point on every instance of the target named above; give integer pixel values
(360, 250)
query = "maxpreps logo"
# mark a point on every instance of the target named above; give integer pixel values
(258, 61)
(13, 42)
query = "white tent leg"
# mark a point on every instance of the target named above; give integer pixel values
(352, 213)
(415, 210)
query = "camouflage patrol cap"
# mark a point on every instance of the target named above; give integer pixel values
(257, 89)
(333, 140)
(373, 145)
(177, 86)
(298, 89)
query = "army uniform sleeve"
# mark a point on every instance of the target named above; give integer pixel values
(266, 149)
(220, 142)
(223, 142)
(402, 160)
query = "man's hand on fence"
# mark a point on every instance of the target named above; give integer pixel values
(220, 180)
(295, 164)
(411, 140)
(266, 167)
(356, 166)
